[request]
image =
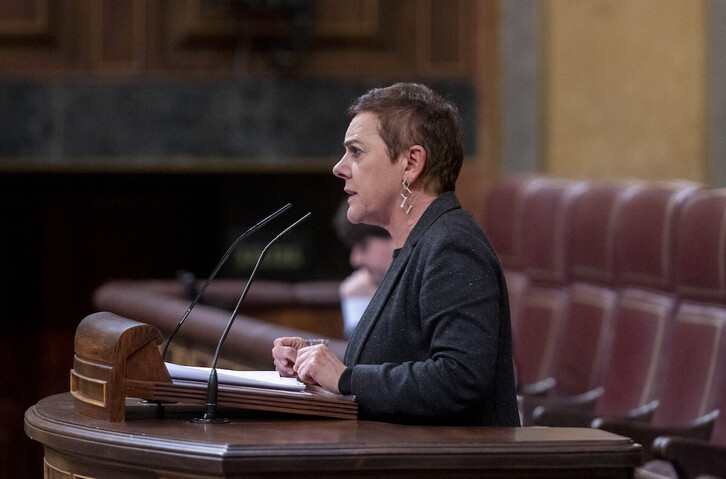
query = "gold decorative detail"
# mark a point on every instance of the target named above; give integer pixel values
(89, 390)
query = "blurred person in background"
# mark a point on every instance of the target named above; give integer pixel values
(371, 253)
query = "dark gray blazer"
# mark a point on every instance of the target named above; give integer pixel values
(435, 345)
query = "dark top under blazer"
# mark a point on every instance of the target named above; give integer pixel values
(435, 344)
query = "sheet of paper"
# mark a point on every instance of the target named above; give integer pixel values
(261, 379)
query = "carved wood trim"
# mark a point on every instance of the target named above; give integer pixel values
(36, 24)
(117, 36)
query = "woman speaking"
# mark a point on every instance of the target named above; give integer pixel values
(434, 345)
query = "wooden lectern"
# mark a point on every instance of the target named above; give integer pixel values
(116, 358)
(102, 430)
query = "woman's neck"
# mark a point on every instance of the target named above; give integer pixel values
(402, 224)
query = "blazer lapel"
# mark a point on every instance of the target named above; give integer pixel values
(445, 202)
(373, 311)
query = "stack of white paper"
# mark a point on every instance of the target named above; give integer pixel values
(260, 379)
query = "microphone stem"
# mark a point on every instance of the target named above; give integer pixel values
(244, 235)
(249, 283)
(213, 384)
(210, 413)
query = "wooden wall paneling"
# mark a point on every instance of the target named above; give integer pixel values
(488, 82)
(217, 37)
(23, 17)
(401, 38)
(179, 41)
(483, 48)
(363, 38)
(354, 20)
(374, 38)
(449, 38)
(485, 167)
(37, 36)
(424, 38)
(197, 20)
(118, 36)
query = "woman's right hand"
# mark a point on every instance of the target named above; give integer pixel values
(284, 353)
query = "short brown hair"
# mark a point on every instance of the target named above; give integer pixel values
(413, 114)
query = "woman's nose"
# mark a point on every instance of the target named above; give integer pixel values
(339, 169)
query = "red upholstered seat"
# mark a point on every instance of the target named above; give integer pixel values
(701, 261)
(584, 342)
(644, 309)
(536, 338)
(674, 450)
(642, 325)
(546, 205)
(702, 270)
(581, 351)
(694, 378)
(692, 381)
(701, 264)
(593, 230)
(517, 283)
(718, 436)
(585, 336)
(646, 272)
(696, 364)
(543, 247)
(501, 218)
(697, 361)
(646, 257)
(694, 457)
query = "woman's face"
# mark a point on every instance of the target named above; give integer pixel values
(372, 181)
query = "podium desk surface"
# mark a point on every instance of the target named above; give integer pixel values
(161, 441)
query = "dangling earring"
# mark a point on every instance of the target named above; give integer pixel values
(405, 184)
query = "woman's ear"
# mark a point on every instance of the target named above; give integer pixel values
(415, 161)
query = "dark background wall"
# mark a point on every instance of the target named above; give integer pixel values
(177, 125)
(138, 138)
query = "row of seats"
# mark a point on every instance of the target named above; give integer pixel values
(618, 297)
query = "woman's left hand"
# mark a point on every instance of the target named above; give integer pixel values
(316, 364)
(284, 354)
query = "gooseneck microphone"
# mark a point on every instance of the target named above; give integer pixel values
(210, 414)
(244, 235)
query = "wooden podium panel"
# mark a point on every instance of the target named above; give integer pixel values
(161, 442)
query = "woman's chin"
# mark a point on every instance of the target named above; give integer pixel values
(354, 218)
